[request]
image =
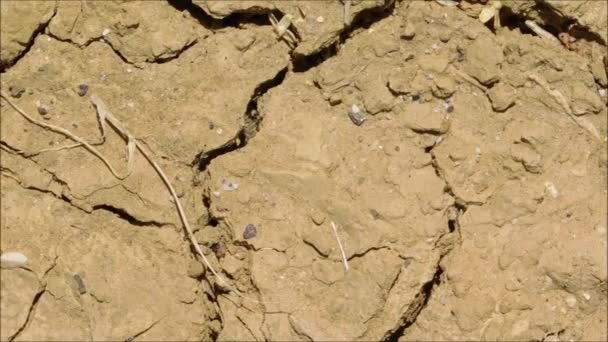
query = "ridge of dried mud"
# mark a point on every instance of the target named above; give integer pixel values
(425, 197)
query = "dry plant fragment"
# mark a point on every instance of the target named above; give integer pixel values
(541, 32)
(344, 260)
(559, 98)
(65, 133)
(491, 11)
(348, 19)
(281, 28)
(103, 112)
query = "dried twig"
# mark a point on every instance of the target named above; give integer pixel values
(532, 25)
(559, 98)
(468, 78)
(65, 133)
(344, 260)
(106, 115)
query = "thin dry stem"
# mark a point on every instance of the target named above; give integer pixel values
(559, 98)
(532, 25)
(116, 124)
(344, 260)
(65, 133)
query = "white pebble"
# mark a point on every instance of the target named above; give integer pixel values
(229, 186)
(355, 109)
(571, 301)
(106, 32)
(586, 295)
(320, 19)
(551, 189)
(219, 131)
(13, 260)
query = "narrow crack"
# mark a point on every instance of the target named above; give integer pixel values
(362, 254)
(255, 15)
(133, 337)
(30, 314)
(252, 123)
(315, 248)
(100, 39)
(28, 46)
(551, 20)
(363, 19)
(444, 244)
(35, 301)
(123, 214)
(416, 307)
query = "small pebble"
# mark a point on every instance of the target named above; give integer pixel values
(551, 189)
(106, 32)
(195, 269)
(16, 91)
(13, 260)
(459, 56)
(409, 31)
(250, 231)
(83, 89)
(320, 19)
(42, 108)
(571, 301)
(82, 289)
(356, 116)
(229, 186)
(317, 217)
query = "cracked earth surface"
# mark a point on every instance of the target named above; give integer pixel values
(469, 203)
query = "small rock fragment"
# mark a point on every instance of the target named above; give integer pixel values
(443, 87)
(483, 60)
(335, 99)
(250, 231)
(229, 186)
(551, 189)
(502, 96)
(83, 88)
(42, 108)
(317, 217)
(531, 160)
(583, 99)
(423, 117)
(82, 289)
(356, 116)
(231, 265)
(571, 301)
(16, 91)
(13, 260)
(409, 31)
(195, 269)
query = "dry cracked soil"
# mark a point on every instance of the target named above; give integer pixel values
(386, 170)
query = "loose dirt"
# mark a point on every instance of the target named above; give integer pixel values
(470, 202)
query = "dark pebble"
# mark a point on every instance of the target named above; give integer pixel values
(250, 231)
(43, 109)
(16, 91)
(460, 56)
(83, 89)
(357, 118)
(81, 287)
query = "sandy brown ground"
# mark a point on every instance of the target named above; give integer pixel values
(471, 203)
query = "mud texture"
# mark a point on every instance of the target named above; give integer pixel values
(469, 199)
